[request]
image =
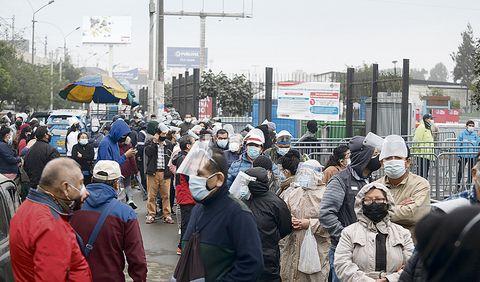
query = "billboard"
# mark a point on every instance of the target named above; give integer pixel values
(309, 100)
(106, 30)
(129, 74)
(205, 108)
(184, 57)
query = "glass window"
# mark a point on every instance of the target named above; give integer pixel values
(4, 218)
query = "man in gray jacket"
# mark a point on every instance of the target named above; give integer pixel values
(337, 206)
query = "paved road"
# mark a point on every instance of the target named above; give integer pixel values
(160, 241)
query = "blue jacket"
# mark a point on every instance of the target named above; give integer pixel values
(8, 160)
(118, 239)
(231, 157)
(108, 148)
(465, 140)
(242, 164)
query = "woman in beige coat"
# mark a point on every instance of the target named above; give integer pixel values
(374, 248)
(303, 199)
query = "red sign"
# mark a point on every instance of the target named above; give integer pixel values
(446, 116)
(205, 108)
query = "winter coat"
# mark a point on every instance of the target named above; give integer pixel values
(71, 140)
(8, 159)
(151, 157)
(274, 222)
(414, 187)
(43, 245)
(37, 158)
(184, 127)
(243, 164)
(88, 156)
(21, 144)
(95, 139)
(182, 190)
(273, 154)
(330, 171)
(129, 167)
(304, 203)
(425, 137)
(230, 246)
(465, 140)
(118, 239)
(355, 255)
(230, 157)
(108, 148)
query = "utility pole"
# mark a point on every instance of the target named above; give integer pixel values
(151, 58)
(45, 43)
(51, 81)
(33, 29)
(203, 20)
(159, 87)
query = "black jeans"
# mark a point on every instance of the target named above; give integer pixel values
(185, 212)
(461, 168)
(423, 167)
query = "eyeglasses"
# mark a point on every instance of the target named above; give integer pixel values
(368, 202)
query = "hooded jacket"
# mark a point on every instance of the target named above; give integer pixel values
(242, 164)
(108, 148)
(424, 137)
(336, 208)
(118, 239)
(355, 255)
(37, 158)
(43, 245)
(274, 221)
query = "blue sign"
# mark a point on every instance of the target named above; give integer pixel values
(129, 75)
(184, 57)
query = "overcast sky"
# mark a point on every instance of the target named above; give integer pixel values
(314, 36)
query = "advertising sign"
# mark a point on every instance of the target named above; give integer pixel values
(309, 100)
(205, 108)
(446, 116)
(106, 30)
(129, 75)
(184, 57)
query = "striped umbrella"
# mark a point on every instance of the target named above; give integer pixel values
(97, 88)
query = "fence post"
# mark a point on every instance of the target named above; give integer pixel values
(349, 102)
(373, 126)
(180, 94)
(268, 93)
(405, 94)
(196, 91)
(174, 93)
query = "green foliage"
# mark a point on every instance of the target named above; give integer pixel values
(233, 95)
(436, 92)
(387, 81)
(475, 99)
(439, 73)
(464, 58)
(455, 104)
(418, 74)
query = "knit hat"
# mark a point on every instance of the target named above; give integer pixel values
(152, 127)
(263, 161)
(255, 136)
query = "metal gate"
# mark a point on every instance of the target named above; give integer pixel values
(185, 92)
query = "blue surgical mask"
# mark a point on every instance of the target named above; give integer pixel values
(223, 143)
(198, 187)
(394, 169)
(283, 151)
(253, 152)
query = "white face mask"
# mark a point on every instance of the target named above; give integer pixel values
(394, 169)
(470, 128)
(83, 141)
(94, 128)
(283, 151)
(82, 190)
(188, 120)
(233, 147)
(198, 187)
(223, 143)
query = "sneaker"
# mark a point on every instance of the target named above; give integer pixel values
(179, 251)
(150, 219)
(132, 204)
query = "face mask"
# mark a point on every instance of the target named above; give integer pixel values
(222, 143)
(253, 152)
(375, 212)
(283, 151)
(49, 138)
(10, 140)
(198, 187)
(82, 191)
(349, 161)
(94, 128)
(374, 164)
(177, 136)
(128, 140)
(162, 138)
(188, 120)
(233, 147)
(83, 142)
(122, 140)
(394, 169)
(18, 124)
(304, 181)
(470, 129)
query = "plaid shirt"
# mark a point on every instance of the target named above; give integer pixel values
(470, 195)
(161, 156)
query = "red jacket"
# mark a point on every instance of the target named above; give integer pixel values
(182, 189)
(43, 245)
(129, 167)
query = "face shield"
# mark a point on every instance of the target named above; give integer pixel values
(197, 158)
(309, 174)
(239, 188)
(374, 141)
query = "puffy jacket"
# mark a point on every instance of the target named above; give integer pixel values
(108, 148)
(465, 140)
(43, 245)
(425, 138)
(273, 219)
(118, 239)
(37, 158)
(355, 255)
(129, 167)
(8, 159)
(182, 189)
(243, 164)
(151, 157)
(231, 157)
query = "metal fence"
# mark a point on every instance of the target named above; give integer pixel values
(445, 165)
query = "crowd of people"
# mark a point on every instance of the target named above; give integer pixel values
(251, 207)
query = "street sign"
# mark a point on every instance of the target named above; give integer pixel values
(184, 57)
(106, 30)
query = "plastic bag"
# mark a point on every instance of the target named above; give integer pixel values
(309, 262)
(239, 188)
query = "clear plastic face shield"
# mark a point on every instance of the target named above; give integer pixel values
(197, 159)
(309, 174)
(374, 141)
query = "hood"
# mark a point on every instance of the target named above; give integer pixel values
(381, 226)
(360, 154)
(100, 194)
(260, 186)
(119, 128)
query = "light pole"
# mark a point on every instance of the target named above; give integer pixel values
(33, 29)
(65, 42)
(394, 67)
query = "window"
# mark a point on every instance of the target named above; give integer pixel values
(4, 217)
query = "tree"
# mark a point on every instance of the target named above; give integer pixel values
(464, 58)
(439, 73)
(475, 99)
(418, 74)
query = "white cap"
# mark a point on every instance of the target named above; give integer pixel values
(394, 146)
(107, 170)
(163, 128)
(72, 120)
(255, 136)
(284, 133)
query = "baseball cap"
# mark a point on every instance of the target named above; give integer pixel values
(107, 170)
(255, 136)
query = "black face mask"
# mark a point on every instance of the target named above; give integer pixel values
(49, 138)
(374, 164)
(162, 138)
(18, 124)
(375, 212)
(122, 140)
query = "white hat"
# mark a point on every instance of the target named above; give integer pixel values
(72, 120)
(255, 136)
(107, 170)
(394, 146)
(284, 133)
(162, 127)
